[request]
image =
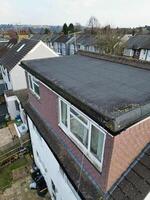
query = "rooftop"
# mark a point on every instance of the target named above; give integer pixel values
(5, 46)
(139, 42)
(115, 95)
(14, 55)
(87, 39)
(63, 38)
(135, 184)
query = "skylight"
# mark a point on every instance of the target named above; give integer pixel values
(20, 47)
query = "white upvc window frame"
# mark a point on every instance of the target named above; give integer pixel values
(31, 87)
(86, 150)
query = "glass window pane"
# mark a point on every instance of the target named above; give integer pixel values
(79, 130)
(64, 113)
(97, 140)
(36, 89)
(36, 81)
(79, 116)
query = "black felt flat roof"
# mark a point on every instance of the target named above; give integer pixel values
(114, 95)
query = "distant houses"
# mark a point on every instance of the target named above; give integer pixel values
(70, 44)
(65, 44)
(138, 47)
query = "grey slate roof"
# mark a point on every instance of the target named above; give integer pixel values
(139, 42)
(12, 57)
(114, 95)
(87, 39)
(4, 47)
(135, 184)
(63, 38)
(43, 37)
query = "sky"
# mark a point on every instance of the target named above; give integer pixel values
(118, 13)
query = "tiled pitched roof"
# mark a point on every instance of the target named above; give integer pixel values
(87, 39)
(5, 46)
(135, 184)
(63, 38)
(139, 42)
(13, 56)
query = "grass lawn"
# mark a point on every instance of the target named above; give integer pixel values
(6, 173)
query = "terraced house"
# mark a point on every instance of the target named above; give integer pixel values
(89, 124)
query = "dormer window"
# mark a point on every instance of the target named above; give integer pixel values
(19, 49)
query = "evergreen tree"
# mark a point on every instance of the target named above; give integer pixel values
(46, 31)
(65, 29)
(71, 28)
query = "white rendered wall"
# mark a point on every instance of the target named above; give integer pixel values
(50, 168)
(143, 54)
(6, 79)
(18, 78)
(148, 56)
(41, 50)
(11, 107)
(17, 74)
(128, 52)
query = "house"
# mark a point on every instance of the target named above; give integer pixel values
(138, 47)
(89, 121)
(4, 48)
(87, 42)
(62, 44)
(14, 75)
(69, 45)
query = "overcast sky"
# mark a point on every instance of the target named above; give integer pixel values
(122, 13)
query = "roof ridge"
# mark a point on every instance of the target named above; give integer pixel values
(117, 59)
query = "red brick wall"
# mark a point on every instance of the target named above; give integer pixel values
(119, 152)
(126, 148)
(47, 105)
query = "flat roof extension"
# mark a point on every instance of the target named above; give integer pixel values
(115, 95)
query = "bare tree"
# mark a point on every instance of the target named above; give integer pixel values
(78, 27)
(107, 38)
(93, 23)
